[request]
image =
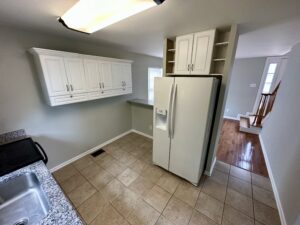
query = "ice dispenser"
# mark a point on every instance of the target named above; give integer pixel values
(161, 119)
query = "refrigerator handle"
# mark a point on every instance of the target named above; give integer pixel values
(173, 111)
(170, 109)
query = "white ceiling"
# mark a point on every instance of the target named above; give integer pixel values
(267, 27)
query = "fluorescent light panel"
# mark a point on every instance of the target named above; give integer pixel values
(89, 16)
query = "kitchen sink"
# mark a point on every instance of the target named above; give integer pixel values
(22, 201)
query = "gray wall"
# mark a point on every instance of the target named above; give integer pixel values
(241, 97)
(64, 131)
(280, 137)
(142, 119)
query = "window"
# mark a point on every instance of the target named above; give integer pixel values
(152, 73)
(269, 78)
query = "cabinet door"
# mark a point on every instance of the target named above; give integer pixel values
(202, 52)
(92, 74)
(117, 76)
(105, 74)
(75, 74)
(55, 75)
(183, 54)
(127, 75)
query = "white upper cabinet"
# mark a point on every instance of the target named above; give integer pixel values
(92, 74)
(202, 52)
(105, 75)
(117, 75)
(184, 47)
(121, 73)
(70, 77)
(194, 53)
(75, 74)
(54, 75)
(127, 75)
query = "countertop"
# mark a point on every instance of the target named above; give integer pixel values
(143, 102)
(61, 211)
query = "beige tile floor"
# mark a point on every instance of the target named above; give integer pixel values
(121, 187)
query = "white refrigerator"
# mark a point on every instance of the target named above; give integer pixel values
(182, 122)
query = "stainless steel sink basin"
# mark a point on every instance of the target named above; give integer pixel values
(22, 201)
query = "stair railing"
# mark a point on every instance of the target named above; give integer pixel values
(265, 106)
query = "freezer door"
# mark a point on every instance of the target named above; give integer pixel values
(193, 105)
(163, 88)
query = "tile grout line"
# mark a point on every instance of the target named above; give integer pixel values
(253, 218)
(225, 196)
(194, 208)
(253, 200)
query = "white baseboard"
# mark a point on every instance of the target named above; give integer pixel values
(209, 173)
(89, 151)
(142, 133)
(231, 118)
(275, 191)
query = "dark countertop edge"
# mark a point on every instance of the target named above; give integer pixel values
(142, 102)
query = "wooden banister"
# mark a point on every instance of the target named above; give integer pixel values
(265, 106)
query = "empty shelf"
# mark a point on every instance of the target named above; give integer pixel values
(222, 43)
(171, 50)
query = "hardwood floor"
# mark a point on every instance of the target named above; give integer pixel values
(241, 149)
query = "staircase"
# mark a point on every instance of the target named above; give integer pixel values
(246, 125)
(252, 123)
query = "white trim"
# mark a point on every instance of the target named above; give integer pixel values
(88, 151)
(275, 191)
(42, 51)
(209, 173)
(231, 118)
(141, 133)
(251, 130)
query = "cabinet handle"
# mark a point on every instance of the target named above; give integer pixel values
(188, 67)
(99, 85)
(67, 87)
(192, 67)
(103, 84)
(71, 87)
(124, 83)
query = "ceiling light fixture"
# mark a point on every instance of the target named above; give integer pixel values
(88, 16)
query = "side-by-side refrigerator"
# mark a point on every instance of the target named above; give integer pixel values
(183, 114)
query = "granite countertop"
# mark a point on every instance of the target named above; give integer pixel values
(61, 211)
(143, 102)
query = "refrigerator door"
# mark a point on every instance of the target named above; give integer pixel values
(190, 128)
(163, 92)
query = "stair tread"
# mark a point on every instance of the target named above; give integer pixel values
(244, 122)
(251, 119)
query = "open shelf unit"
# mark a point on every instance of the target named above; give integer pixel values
(220, 52)
(219, 59)
(169, 57)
